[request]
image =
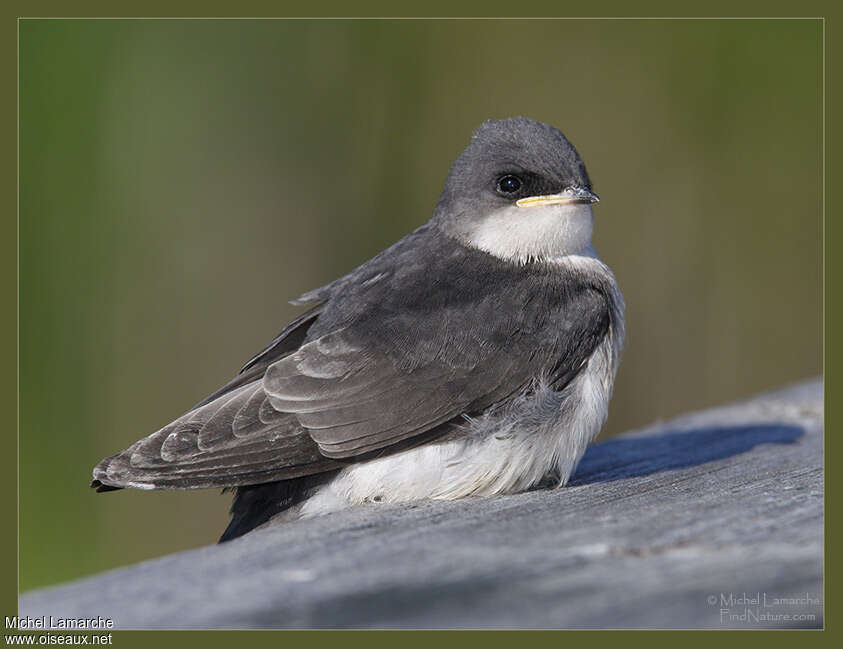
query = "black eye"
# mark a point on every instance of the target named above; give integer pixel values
(509, 184)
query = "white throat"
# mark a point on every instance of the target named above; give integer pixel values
(544, 232)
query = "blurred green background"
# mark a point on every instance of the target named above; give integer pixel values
(181, 180)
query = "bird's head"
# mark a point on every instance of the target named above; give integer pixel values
(519, 191)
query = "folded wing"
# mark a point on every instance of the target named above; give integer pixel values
(392, 354)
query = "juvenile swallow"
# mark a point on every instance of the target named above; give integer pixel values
(474, 357)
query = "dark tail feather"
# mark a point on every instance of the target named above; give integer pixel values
(254, 505)
(100, 487)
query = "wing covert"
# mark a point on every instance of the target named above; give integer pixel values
(413, 354)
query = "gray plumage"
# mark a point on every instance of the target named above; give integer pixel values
(463, 330)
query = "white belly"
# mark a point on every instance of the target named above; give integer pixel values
(506, 451)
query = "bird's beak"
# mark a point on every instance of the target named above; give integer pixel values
(569, 196)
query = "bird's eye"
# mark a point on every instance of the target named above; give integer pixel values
(509, 184)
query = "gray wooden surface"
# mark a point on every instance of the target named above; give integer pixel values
(711, 520)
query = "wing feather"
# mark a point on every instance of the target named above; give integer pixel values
(223, 443)
(384, 367)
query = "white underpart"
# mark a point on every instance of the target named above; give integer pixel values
(549, 232)
(510, 450)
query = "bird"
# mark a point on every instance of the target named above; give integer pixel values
(474, 357)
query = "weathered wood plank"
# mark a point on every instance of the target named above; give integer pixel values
(658, 529)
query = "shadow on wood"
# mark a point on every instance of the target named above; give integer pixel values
(641, 456)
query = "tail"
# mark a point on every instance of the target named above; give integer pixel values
(254, 505)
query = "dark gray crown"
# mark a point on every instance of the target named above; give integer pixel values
(539, 153)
